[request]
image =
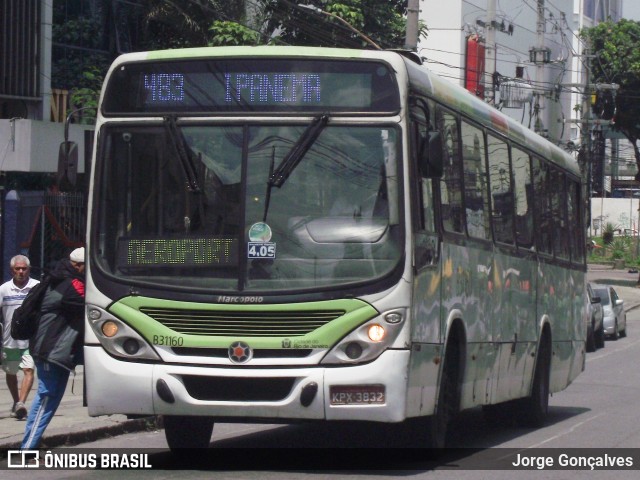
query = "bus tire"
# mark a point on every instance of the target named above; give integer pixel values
(438, 425)
(591, 339)
(183, 432)
(532, 410)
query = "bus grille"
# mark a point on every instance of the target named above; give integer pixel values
(241, 324)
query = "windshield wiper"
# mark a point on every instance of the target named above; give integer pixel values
(298, 151)
(293, 157)
(185, 154)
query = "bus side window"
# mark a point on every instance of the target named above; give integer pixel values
(523, 198)
(501, 188)
(544, 220)
(560, 235)
(451, 181)
(476, 199)
(575, 213)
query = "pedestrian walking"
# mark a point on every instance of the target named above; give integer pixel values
(56, 347)
(15, 353)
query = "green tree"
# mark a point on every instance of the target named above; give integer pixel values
(185, 23)
(616, 47)
(232, 33)
(383, 21)
(79, 44)
(84, 97)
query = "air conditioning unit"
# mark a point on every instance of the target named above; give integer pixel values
(515, 93)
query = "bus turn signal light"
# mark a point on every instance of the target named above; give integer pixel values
(109, 329)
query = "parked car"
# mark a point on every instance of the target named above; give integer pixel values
(615, 318)
(595, 328)
(625, 232)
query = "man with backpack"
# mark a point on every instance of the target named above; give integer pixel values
(56, 346)
(15, 353)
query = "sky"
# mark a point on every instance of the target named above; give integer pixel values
(631, 9)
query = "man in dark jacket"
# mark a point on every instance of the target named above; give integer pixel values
(56, 347)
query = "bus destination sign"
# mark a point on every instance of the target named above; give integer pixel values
(259, 85)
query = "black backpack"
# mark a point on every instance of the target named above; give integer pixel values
(26, 318)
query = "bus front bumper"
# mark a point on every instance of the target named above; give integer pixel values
(375, 391)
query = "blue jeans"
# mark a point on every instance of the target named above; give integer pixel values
(52, 382)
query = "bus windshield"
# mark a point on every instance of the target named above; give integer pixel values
(198, 209)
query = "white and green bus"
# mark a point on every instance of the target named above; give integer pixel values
(283, 234)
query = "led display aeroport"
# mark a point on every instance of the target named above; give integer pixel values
(178, 252)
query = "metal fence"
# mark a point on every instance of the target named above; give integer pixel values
(57, 226)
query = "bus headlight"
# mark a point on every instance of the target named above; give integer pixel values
(368, 340)
(376, 333)
(118, 338)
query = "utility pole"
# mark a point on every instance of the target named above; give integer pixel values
(490, 52)
(540, 30)
(586, 114)
(413, 15)
(586, 131)
(587, 125)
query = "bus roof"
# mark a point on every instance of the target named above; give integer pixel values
(262, 51)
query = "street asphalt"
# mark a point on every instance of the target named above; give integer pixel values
(71, 424)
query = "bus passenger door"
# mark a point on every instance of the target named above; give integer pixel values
(425, 302)
(426, 164)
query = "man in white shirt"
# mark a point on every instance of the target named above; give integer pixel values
(15, 353)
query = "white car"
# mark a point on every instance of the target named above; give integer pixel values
(615, 318)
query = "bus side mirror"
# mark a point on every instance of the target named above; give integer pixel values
(431, 156)
(67, 165)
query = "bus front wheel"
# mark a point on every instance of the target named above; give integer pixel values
(184, 432)
(448, 404)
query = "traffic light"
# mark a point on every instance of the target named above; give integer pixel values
(603, 104)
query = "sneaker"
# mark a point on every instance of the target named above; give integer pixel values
(21, 411)
(13, 410)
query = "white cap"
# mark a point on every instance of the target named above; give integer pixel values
(77, 255)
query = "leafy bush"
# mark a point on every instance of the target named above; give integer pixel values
(620, 247)
(607, 233)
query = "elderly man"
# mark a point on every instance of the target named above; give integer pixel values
(15, 353)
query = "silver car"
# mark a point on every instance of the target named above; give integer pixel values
(595, 328)
(615, 318)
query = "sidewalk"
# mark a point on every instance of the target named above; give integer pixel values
(71, 424)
